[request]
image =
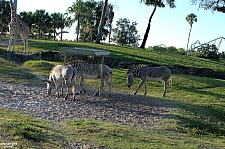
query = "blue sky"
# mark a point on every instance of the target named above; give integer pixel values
(168, 26)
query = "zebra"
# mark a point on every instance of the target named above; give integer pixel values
(93, 71)
(59, 74)
(149, 73)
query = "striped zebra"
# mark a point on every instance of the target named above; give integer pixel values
(93, 71)
(145, 73)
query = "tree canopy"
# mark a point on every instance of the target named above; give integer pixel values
(213, 5)
(125, 33)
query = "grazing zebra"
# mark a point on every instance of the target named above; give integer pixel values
(148, 73)
(60, 74)
(93, 71)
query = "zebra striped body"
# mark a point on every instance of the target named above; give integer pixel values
(148, 73)
(93, 71)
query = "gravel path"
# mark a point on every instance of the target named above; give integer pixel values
(123, 109)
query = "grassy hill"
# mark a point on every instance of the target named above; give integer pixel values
(196, 121)
(129, 53)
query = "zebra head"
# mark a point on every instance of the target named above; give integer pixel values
(130, 77)
(49, 85)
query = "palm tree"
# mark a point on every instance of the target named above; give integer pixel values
(78, 8)
(41, 18)
(155, 3)
(55, 20)
(65, 21)
(191, 19)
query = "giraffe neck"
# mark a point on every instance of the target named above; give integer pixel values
(13, 10)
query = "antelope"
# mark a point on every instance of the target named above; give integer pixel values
(93, 71)
(149, 73)
(60, 74)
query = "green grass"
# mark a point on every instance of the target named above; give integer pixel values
(196, 119)
(26, 132)
(129, 53)
(13, 73)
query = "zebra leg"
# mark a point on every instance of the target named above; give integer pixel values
(110, 86)
(57, 92)
(165, 85)
(139, 86)
(67, 89)
(73, 87)
(145, 88)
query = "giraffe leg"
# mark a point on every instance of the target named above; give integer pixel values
(26, 46)
(24, 43)
(14, 42)
(10, 41)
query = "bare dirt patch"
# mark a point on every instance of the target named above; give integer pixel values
(123, 109)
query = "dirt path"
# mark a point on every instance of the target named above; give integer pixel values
(120, 108)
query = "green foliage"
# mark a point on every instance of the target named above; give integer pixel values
(171, 49)
(4, 15)
(159, 49)
(213, 5)
(208, 51)
(181, 51)
(125, 33)
(191, 18)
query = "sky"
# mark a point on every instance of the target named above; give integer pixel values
(168, 26)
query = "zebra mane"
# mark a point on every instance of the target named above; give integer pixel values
(135, 67)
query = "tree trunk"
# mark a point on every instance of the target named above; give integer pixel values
(54, 33)
(101, 24)
(148, 29)
(189, 37)
(78, 28)
(61, 34)
(110, 29)
(1, 26)
(39, 33)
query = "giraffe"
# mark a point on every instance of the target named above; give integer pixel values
(17, 26)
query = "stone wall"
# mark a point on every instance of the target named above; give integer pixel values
(111, 62)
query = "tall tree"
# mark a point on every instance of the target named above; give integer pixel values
(55, 20)
(155, 4)
(40, 19)
(191, 19)
(91, 21)
(4, 15)
(125, 33)
(78, 9)
(102, 22)
(109, 15)
(65, 21)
